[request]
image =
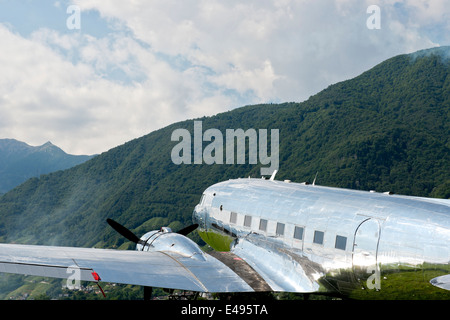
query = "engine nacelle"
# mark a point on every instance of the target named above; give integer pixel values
(167, 241)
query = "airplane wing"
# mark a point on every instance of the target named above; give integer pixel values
(154, 269)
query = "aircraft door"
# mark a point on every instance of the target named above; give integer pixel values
(365, 247)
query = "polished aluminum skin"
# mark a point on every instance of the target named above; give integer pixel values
(309, 238)
(165, 240)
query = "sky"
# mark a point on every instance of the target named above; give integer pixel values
(91, 75)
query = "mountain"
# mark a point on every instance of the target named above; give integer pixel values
(20, 161)
(386, 130)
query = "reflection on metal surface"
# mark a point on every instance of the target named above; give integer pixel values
(165, 240)
(305, 238)
(365, 247)
(245, 271)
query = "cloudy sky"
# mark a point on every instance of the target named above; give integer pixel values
(91, 75)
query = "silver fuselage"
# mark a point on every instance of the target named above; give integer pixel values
(309, 238)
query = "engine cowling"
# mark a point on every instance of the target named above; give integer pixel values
(165, 240)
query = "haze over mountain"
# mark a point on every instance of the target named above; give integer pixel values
(386, 130)
(20, 161)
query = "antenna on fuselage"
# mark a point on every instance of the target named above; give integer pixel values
(314, 182)
(272, 177)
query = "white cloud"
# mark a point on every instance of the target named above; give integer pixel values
(47, 97)
(428, 11)
(260, 81)
(165, 61)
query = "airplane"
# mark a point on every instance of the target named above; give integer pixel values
(274, 236)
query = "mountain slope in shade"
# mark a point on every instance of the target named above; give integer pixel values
(20, 161)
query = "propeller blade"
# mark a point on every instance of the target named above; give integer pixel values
(123, 231)
(185, 231)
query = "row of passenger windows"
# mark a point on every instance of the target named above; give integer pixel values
(340, 243)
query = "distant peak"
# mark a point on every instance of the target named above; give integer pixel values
(48, 144)
(50, 148)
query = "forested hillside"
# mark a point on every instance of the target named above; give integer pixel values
(386, 130)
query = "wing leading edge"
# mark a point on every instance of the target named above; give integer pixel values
(153, 269)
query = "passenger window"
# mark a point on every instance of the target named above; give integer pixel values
(298, 233)
(280, 229)
(318, 237)
(248, 221)
(233, 217)
(263, 225)
(341, 242)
